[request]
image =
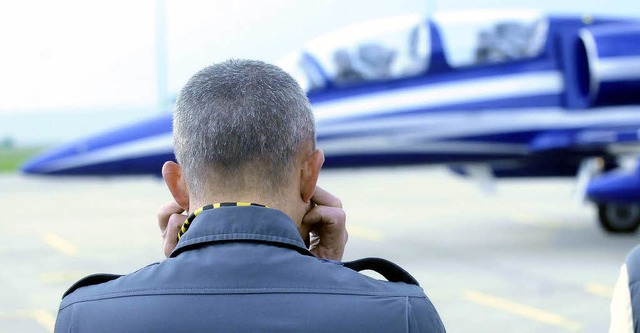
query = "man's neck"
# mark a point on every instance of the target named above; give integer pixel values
(273, 202)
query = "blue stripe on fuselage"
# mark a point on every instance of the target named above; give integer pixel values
(461, 74)
(129, 166)
(368, 160)
(152, 127)
(503, 104)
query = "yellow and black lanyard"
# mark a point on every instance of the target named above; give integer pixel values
(187, 223)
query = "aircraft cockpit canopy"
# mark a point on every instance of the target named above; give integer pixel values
(378, 50)
(400, 47)
(491, 36)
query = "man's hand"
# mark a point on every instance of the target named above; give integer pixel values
(326, 220)
(170, 220)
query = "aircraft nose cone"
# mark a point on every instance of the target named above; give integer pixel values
(48, 163)
(139, 148)
(30, 167)
(33, 166)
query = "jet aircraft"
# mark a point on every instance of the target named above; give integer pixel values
(489, 93)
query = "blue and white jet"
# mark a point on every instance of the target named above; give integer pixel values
(489, 93)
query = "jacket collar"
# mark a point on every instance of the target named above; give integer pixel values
(242, 224)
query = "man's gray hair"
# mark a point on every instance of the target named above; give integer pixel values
(240, 121)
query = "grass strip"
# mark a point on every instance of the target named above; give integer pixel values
(12, 158)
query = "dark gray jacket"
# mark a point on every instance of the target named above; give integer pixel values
(246, 269)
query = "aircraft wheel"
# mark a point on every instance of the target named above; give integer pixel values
(619, 218)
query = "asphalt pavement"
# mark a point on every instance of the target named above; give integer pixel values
(527, 257)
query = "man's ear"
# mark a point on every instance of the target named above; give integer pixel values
(172, 174)
(309, 174)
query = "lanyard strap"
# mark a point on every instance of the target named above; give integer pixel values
(187, 223)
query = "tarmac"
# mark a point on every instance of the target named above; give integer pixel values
(526, 258)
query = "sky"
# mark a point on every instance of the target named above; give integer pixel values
(84, 54)
(94, 64)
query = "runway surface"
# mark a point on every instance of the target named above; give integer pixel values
(527, 258)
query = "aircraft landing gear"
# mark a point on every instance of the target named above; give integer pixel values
(619, 218)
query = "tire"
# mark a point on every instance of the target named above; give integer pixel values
(619, 218)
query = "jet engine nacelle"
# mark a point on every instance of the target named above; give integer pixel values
(617, 195)
(615, 187)
(608, 64)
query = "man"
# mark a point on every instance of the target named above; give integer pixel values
(247, 169)
(625, 302)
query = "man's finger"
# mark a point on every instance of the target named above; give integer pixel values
(329, 234)
(165, 212)
(170, 234)
(175, 223)
(325, 215)
(324, 198)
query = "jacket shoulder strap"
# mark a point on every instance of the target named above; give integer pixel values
(386, 268)
(90, 280)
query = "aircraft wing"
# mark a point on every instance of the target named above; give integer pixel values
(614, 141)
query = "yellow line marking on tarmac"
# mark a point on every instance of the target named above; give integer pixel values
(59, 244)
(365, 233)
(43, 317)
(62, 276)
(599, 289)
(523, 310)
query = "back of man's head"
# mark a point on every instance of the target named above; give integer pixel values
(241, 124)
